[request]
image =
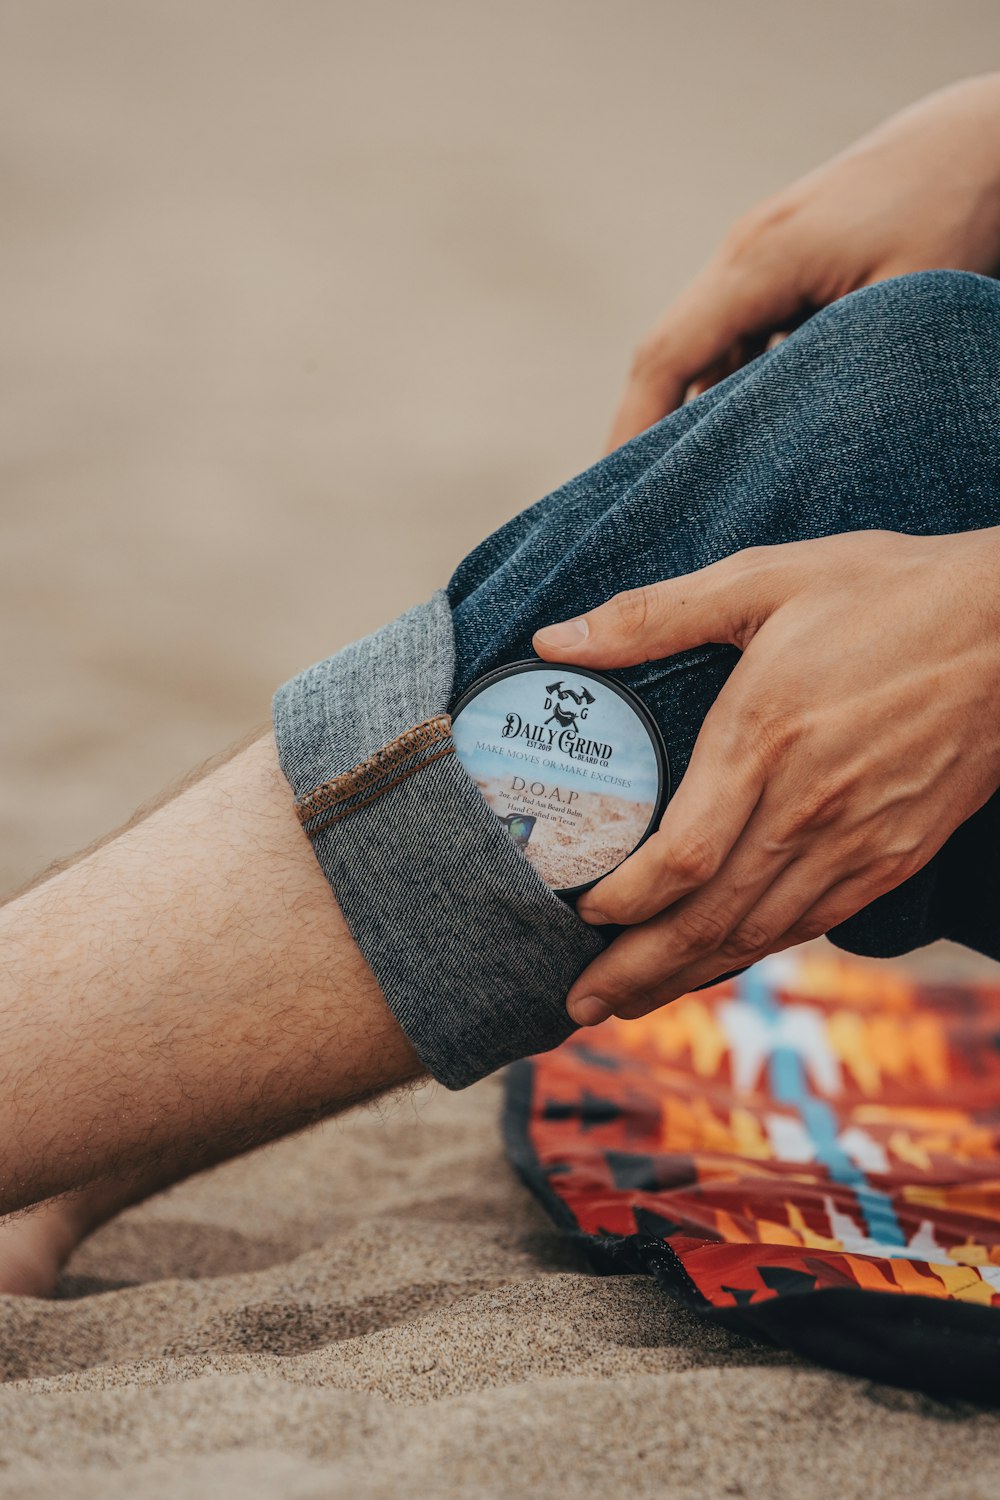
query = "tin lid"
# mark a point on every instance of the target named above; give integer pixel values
(571, 762)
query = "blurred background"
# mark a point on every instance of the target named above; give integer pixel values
(299, 299)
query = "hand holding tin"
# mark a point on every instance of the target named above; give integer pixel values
(857, 731)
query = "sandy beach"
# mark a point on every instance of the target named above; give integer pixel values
(378, 1307)
(299, 302)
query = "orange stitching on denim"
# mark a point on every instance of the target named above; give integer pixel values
(349, 783)
(345, 812)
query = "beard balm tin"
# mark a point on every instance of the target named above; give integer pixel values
(570, 761)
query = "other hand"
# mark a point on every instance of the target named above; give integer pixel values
(920, 193)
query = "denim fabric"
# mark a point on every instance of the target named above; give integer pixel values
(882, 411)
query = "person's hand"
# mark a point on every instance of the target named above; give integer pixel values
(920, 193)
(859, 728)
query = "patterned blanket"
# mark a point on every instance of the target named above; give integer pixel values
(809, 1153)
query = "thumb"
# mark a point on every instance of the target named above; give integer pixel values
(726, 602)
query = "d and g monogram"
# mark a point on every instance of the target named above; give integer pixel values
(561, 729)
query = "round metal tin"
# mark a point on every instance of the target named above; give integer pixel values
(570, 761)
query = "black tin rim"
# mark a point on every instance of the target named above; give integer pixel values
(535, 664)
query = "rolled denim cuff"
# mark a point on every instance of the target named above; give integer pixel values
(472, 951)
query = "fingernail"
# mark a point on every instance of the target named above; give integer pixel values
(588, 1010)
(566, 633)
(591, 914)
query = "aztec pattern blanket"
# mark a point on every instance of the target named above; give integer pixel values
(809, 1152)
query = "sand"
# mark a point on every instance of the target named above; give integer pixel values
(299, 301)
(377, 1307)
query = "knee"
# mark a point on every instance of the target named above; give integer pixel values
(938, 305)
(932, 325)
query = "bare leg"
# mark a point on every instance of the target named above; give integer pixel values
(179, 995)
(37, 1241)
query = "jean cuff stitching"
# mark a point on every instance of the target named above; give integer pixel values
(355, 806)
(376, 774)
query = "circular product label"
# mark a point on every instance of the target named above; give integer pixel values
(570, 761)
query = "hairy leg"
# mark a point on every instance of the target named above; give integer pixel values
(37, 1241)
(181, 994)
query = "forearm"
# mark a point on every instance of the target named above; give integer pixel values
(190, 986)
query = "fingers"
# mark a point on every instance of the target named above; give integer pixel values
(708, 935)
(735, 357)
(725, 602)
(731, 300)
(839, 903)
(647, 398)
(703, 823)
(629, 979)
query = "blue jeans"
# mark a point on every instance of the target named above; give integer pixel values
(881, 412)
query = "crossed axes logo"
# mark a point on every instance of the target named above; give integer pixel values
(556, 695)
